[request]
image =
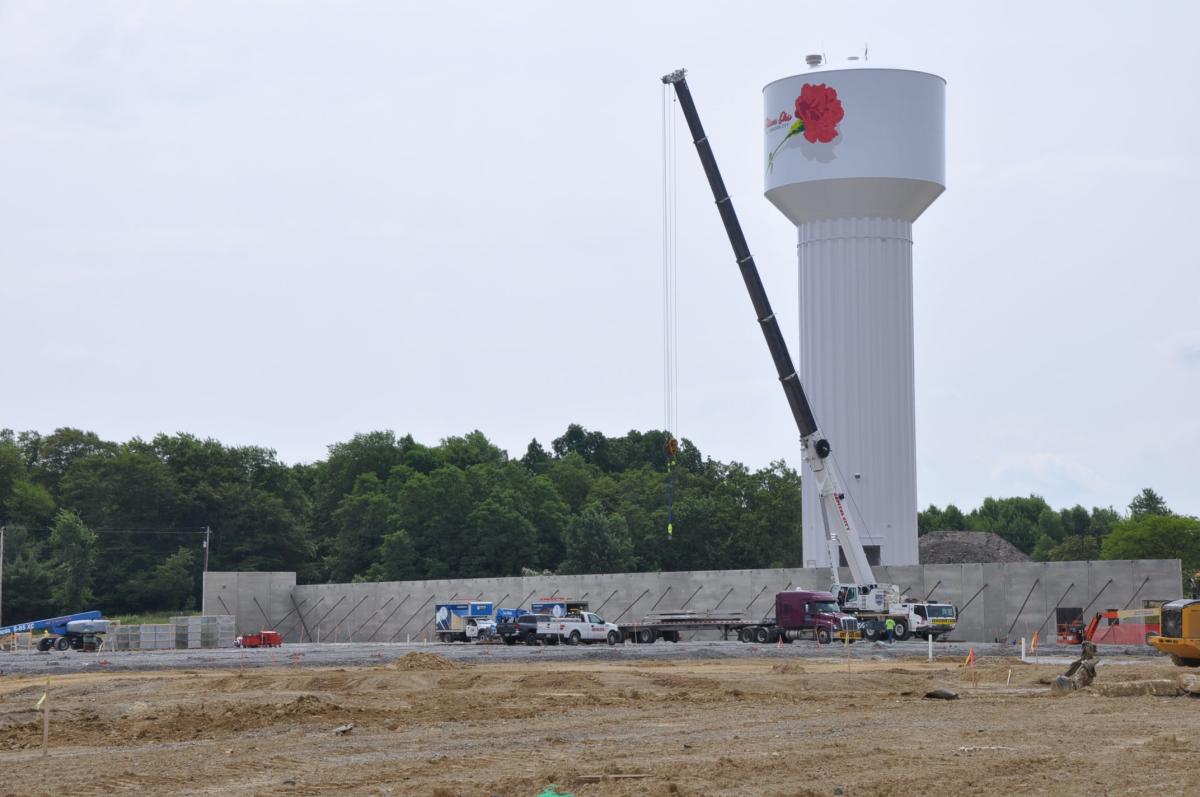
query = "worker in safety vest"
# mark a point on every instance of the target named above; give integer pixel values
(890, 626)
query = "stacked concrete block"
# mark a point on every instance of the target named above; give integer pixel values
(203, 631)
(147, 636)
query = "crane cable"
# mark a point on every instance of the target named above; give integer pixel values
(670, 295)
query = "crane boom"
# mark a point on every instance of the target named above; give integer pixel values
(816, 448)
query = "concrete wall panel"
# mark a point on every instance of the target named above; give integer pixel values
(996, 601)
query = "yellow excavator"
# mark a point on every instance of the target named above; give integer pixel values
(1180, 631)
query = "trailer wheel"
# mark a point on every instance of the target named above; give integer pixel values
(645, 636)
(613, 637)
(823, 636)
(673, 636)
(762, 635)
(902, 632)
(63, 643)
(746, 635)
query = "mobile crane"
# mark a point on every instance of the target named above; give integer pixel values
(870, 601)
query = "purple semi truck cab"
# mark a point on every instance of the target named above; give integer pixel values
(801, 610)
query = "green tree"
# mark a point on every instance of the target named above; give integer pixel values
(1156, 536)
(1147, 502)
(28, 580)
(30, 504)
(934, 519)
(397, 559)
(1014, 519)
(172, 583)
(1076, 548)
(502, 539)
(597, 543)
(72, 549)
(361, 521)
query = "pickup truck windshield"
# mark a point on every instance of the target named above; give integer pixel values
(823, 606)
(941, 611)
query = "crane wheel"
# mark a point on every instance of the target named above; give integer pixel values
(902, 632)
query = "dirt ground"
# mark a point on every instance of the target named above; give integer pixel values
(425, 725)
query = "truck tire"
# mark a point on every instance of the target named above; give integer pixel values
(762, 635)
(510, 640)
(574, 638)
(63, 643)
(645, 635)
(613, 638)
(746, 635)
(531, 638)
(1179, 661)
(902, 632)
(672, 636)
(823, 636)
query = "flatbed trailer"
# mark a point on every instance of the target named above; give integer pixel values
(669, 628)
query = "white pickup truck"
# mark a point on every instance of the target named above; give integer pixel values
(576, 628)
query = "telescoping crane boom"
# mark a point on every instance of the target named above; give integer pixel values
(865, 593)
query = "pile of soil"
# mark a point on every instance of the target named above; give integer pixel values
(962, 547)
(424, 662)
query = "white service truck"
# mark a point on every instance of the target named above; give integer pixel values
(578, 627)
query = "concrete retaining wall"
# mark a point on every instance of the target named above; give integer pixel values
(996, 602)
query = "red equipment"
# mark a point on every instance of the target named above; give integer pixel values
(263, 639)
(1120, 627)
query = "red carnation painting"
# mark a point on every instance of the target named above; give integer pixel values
(818, 113)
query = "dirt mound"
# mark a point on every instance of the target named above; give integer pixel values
(788, 668)
(560, 680)
(957, 547)
(424, 662)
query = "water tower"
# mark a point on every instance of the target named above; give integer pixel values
(853, 155)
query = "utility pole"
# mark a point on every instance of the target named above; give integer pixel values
(207, 535)
(1, 575)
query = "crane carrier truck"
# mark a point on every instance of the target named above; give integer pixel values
(873, 603)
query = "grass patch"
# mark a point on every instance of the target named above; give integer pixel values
(149, 618)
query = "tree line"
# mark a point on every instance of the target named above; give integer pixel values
(92, 523)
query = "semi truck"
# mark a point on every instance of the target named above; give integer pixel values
(81, 631)
(873, 603)
(798, 614)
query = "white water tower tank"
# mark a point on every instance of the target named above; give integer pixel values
(853, 155)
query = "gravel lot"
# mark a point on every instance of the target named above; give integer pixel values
(348, 655)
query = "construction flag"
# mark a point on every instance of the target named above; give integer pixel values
(970, 662)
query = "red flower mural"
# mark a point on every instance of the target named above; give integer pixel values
(818, 113)
(820, 109)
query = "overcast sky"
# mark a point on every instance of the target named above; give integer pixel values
(284, 223)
